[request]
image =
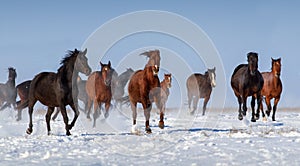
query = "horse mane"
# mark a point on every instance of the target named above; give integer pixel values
(68, 56)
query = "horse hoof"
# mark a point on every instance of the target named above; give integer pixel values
(68, 133)
(268, 113)
(253, 119)
(192, 112)
(161, 125)
(106, 115)
(29, 131)
(134, 129)
(148, 130)
(265, 119)
(256, 117)
(244, 113)
(18, 119)
(240, 117)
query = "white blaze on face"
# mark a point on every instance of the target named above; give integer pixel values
(213, 80)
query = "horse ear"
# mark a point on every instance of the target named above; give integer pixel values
(214, 69)
(85, 51)
(101, 64)
(109, 64)
(279, 59)
(146, 54)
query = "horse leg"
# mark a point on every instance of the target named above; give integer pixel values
(56, 114)
(97, 111)
(66, 119)
(190, 98)
(244, 101)
(162, 108)
(204, 105)
(107, 105)
(147, 109)
(195, 104)
(19, 115)
(275, 107)
(269, 107)
(253, 119)
(30, 111)
(262, 109)
(134, 115)
(48, 117)
(88, 107)
(74, 107)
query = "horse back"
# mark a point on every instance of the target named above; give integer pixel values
(272, 85)
(198, 85)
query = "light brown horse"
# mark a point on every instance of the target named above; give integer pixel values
(272, 87)
(200, 86)
(143, 86)
(164, 94)
(98, 89)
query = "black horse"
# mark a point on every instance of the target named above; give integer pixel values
(8, 92)
(59, 89)
(246, 81)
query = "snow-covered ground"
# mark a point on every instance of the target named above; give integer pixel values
(218, 138)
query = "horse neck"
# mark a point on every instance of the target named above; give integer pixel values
(68, 75)
(150, 77)
(163, 85)
(11, 82)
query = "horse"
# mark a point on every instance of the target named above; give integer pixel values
(165, 84)
(98, 88)
(143, 86)
(61, 89)
(8, 91)
(200, 86)
(272, 87)
(246, 80)
(118, 90)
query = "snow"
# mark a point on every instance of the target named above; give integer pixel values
(218, 138)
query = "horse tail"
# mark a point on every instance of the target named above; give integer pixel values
(22, 105)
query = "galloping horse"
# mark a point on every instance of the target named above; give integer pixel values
(165, 84)
(59, 89)
(118, 90)
(98, 88)
(143, 86)
(246, 81)
(272, 87)
(200, 86)
(8, 91)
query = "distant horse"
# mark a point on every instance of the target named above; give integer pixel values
(246, 81)
(143, 86)
(98, 88)
(8, 91)
(272, 87)
(58, 89)
(165, 84)
(118, 90)
(200, 86)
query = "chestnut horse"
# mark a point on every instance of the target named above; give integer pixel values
(8, 91)
(246, 81)
(272, 87)
(58, 89)
(165, 84)
(98, 88)
(200, 86)
(143, 86)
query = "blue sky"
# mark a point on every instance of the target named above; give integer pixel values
(34, 35)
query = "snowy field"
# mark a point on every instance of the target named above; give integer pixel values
(215, 139)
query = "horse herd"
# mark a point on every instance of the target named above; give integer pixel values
(65, 87)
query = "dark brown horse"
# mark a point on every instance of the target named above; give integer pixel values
(272, 87)
(165, 84)
(8, 91)
(118, 90)
(58, 89)
(200, 86)
(143, 86)
(246, 81)
(23, 91)
(98, 88)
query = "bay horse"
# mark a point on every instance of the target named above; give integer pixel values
(121, 81)
(23, 92)
(8, 91)
(59, 89)
(200, 86)
(165, 84)
(143, 86)
(246, 80)
(272, 87)
(98, 88)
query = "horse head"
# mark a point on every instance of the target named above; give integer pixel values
(212, 76)
(276, 66)
(12, 74)
(252, 59)
(81, 63)
(154, 60)
(168, 80)
(106, 73)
